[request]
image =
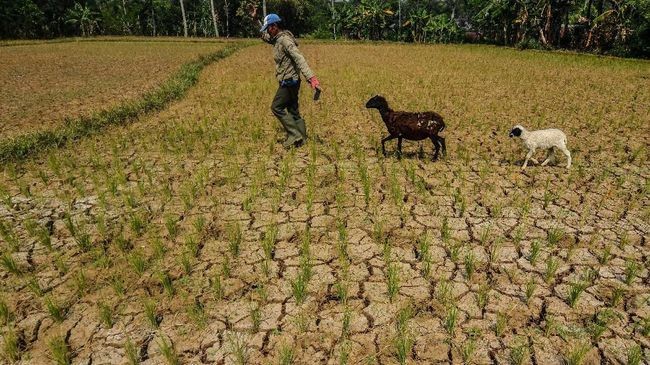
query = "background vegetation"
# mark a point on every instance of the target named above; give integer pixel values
(619, 27)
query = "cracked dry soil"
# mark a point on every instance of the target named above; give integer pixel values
(191, 236)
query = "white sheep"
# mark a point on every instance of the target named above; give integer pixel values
(543, 139)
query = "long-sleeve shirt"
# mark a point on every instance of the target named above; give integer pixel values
(289, 61)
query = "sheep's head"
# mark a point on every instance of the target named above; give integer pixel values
(377, 102)
(517, 131)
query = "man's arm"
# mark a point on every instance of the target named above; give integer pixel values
(297, 57)
(265, 37)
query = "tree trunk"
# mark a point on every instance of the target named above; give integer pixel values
(153, 18)
(184, 19)
(264, 8)
(214, 19)
(225, 7)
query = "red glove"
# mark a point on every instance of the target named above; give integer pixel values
(315, 84)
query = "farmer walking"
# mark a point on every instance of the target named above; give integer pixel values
(289, 64)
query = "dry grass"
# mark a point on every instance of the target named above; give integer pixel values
(45, 83)
(181, 190)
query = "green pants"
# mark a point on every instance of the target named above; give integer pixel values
(287, 98)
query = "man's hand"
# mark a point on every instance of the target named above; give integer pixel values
(315, 84)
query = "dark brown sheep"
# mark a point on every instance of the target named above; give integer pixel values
(410, 126)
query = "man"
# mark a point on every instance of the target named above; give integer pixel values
(289, 64)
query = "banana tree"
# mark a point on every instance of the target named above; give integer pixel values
(82, 16)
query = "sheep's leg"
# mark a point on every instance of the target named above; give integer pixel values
(383, 142)
(568, 156)
(549, 155)
(528, 157)
(436, 145)
(399, 147)
(443, 145)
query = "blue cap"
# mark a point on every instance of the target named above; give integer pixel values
(270, 19)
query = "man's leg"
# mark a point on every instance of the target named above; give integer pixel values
(294, 110)
(281, 100)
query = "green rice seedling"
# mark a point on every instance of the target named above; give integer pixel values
(552, 265)
(138, 262)
(137, 223)
(171, 226)
(454, 248)
(59, 351)
(535, 248)
(378, 234)
(151, 312)
(393, 281)
(10, 346)
(519, 352)
(605, 255)
(199, 225)
(341, 288)
(299, 285)
(517, 236)
(80, 283)
(9, 264)
(268, 242)
(554, 236)
(196, 312)
(122, 243)
(576, 354)
(345, 323)
(575, 290)
(5, 313)
(105, 314)
(34, 286)
(617, 296)
(225, 267)
(643, 326)
(344, 352)
(8, 235)
(445, 230)
(192, 246)
(117, 283)
(501, 324)
(169, 352)
(470, 264)
(56, 312)
(286, 355)
(495, 251)
(531, 285)
(132, 353)
(187, 263)
(634, 355)
(486, 235)
(451, 319)
(467, 351)
(631, 271)
(235, 237)
(483, 295)
(256, 318)
(238, 348)
(624, 240)
(166, 283)
(158, 247)
(404, 340)
(130, 200)
(444, 293)
(342, 247)
(217, 287)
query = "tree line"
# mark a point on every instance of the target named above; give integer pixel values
(619, 27)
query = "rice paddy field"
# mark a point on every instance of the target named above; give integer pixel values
(44, 83)
(191, 237)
